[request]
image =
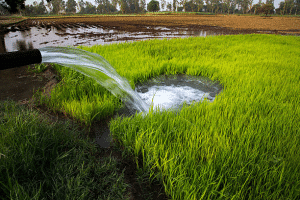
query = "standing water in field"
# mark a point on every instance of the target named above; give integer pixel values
(96, 67)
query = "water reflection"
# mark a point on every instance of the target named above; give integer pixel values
(22, 46)
(42, 35)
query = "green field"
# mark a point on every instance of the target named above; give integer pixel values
(244, 145)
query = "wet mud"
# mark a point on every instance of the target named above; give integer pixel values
(231, 24)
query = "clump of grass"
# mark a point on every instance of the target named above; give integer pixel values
(40, 159)
(38, 68)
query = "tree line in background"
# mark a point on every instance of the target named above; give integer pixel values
(139, 6)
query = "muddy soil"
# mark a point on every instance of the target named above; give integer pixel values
(229, 24)
(19, 84)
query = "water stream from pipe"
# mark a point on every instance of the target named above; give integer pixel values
(96, 67)
(164, 92)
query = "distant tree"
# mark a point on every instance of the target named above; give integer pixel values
(244, 5)
(137, 8)
(71, 6)
(256, 9)
(142, 5)
(133, 6)
(3, 11)
(104, 7)
(163, 4)
(250, 5)
(29, 10)
(115, 3)
(215, 4)
(226, 5)
(267, 9)
(297, 7)
(49, 6)
(81, 6)
(199, 4)
(209, 5)
(13, 6)
(41, 8)
(289, 7)
(124, 6)
(153, 6)
(35, 9)
(181, 3)
(89, 8)
(57, 6)
(169, 6)
(233, 6)
(175, 5)
(190, 6)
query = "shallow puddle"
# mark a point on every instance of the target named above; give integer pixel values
(81, 34)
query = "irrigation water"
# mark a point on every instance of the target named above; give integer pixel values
(172, 91)
(165, 92)
(96, 67)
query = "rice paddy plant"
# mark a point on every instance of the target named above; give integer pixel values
(241, 146)
(244, 145)
(41, 159)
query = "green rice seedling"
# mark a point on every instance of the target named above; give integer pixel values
(38, 68)
(241, 146)
(244, 145)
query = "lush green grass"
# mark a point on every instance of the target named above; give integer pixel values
(244, 145)
(41, 159)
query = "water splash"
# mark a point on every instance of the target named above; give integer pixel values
(169, 92)
(96, 67)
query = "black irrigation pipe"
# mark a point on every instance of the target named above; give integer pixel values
(19, 58)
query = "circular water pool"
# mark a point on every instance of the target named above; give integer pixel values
(172, 91)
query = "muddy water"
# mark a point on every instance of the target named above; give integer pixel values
(17, 37)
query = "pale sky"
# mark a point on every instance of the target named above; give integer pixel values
(28, 2)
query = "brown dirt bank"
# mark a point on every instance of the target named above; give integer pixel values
(235, 23)
(5, 21)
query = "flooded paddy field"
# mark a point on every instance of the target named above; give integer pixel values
(75, 31)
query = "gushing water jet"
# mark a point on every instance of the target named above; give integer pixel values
(87, 63)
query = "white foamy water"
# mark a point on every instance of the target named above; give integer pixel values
(167, 97)
(96, 67)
